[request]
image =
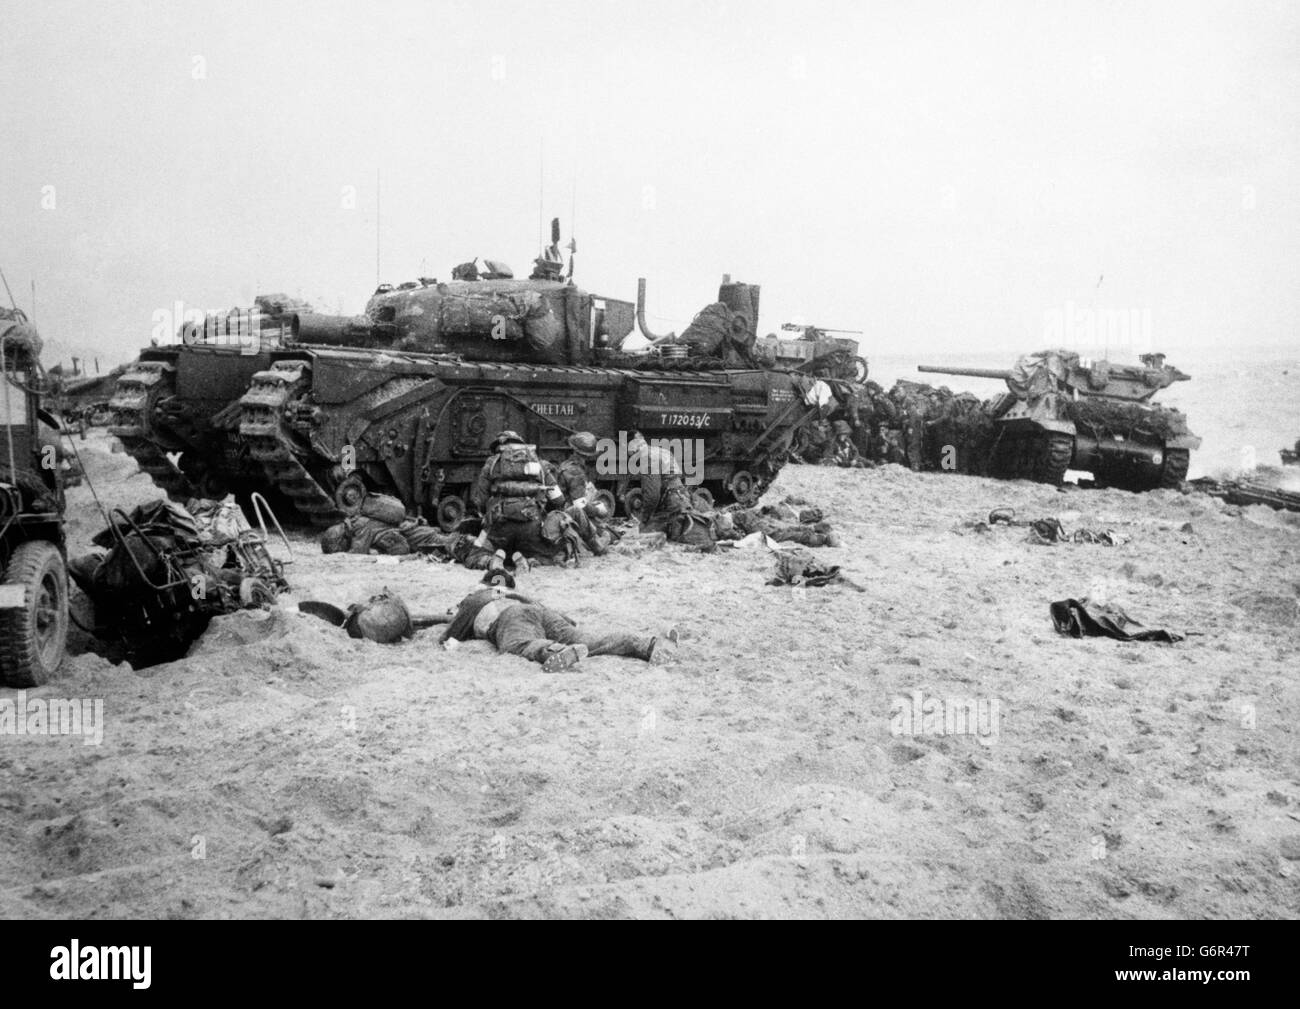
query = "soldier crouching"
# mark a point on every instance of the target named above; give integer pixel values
(513, 492)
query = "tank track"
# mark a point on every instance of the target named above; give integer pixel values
(135, 396)
(1054, 459)
(1040, 457)
(1177, 460)
(260, 426)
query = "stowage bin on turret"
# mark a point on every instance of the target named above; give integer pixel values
(1065, 412)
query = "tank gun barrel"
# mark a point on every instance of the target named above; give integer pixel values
(332, 330)
(1001, 373)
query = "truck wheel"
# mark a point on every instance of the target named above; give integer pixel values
(34, 631)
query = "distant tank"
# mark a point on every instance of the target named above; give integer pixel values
(1063, 412)
(1291, 456)
(406, 398)
(815, 352)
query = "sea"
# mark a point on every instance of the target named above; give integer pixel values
(1244, 403)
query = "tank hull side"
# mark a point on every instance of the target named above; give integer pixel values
(419, 426)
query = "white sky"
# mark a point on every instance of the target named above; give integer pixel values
(938, 175)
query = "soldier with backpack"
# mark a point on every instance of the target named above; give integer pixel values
(513, 492)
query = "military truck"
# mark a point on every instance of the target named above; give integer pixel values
(815, 352)
(33, 550)
(1065, 412)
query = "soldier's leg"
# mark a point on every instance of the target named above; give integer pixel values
(634, 646)
(521, 630)
(531, 542)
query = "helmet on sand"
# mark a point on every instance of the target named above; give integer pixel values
(584, 443)
(335, 539)
(383, 618)
(505, 438)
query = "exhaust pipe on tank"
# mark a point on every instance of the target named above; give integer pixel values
(640, 315)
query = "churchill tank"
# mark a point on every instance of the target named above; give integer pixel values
(175, 408)
(406, 398)
(1063, 412)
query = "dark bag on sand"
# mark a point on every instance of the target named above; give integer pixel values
(1081, 618)
(694, 530)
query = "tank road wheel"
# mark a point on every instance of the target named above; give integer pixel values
(634, 503)
(702, 499)
(350, 494)
(33, 615)
(608, 499)
(1175, 472)
(1054, 451)
(451, 512)
(743, 486)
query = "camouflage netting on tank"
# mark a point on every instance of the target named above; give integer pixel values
(711, 328)
(21, 338)
(492, 319)
(1126, 418)
(1035, 375)
(281, 304)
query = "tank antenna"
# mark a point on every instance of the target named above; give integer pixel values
(377, 212)
(7, 291)
(573, 223)
(541, 191)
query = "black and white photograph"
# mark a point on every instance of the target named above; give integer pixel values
(729, 460)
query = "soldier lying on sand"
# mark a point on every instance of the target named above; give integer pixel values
(516, 624)
(361, 535)
(781, 522)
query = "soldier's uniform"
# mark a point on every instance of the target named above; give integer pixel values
(516, 624)
(361, 535)
(663, 492)
(776, 524)
(573, 480)
(843, 451)
(512, 492)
